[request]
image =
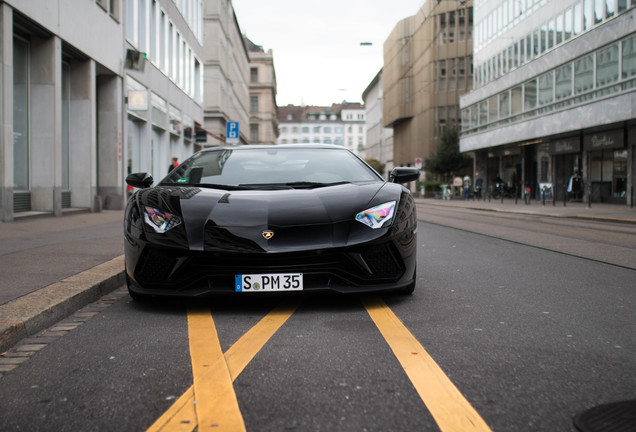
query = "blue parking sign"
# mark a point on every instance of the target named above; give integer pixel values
(232, 133)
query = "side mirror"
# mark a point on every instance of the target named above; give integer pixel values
(404, 175)
(140, 180)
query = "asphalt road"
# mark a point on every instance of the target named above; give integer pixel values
(527, 338)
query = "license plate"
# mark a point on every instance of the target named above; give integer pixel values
(268, 282)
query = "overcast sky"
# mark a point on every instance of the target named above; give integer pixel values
(316, 45)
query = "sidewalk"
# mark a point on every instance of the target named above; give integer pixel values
(52, 266)
(577, 210)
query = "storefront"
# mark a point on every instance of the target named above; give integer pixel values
(607, 160)
(567, 168)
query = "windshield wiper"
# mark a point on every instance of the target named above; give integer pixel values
(312, 185)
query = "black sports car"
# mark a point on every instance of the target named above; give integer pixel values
(270, 218)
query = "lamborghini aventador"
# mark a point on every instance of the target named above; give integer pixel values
(264, 219)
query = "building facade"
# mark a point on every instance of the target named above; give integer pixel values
(226, 66)
(92, 90)
(340, 124)
(554, 99)
(379, 145)
(164, 92)
(62, 106)
(262, 86)
(427, 66)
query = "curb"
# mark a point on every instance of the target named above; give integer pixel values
(528, 212)
(29, 314)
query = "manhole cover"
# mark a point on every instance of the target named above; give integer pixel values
(613, 417)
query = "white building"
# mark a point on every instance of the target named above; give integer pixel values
(81, 105)
(227, 68)
(379, 142)
(554, 92)
(165, 97)
(340, 124)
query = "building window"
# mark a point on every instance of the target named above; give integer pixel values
(607, 66)
(530, 95)
(546, 89)
(21, 128)
(584, 74)
(254, 75)
(564, 82)
(254, 103)
(305, 129)
(629, 59)
(515, 100)
(254, 136)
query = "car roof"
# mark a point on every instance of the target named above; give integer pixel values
(277, 146)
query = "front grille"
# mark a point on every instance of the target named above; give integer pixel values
(321, 268)
(155, 267)
(383, 261)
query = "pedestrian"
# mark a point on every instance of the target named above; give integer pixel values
(174, 164)
(457, 185)
(479, 184)
(467, 185)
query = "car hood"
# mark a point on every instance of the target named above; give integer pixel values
(318, 217)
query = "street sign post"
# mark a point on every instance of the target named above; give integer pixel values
(232, 133)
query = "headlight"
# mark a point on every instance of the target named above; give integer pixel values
(160, 221)
(377, 216)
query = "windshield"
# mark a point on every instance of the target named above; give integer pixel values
(271, 168)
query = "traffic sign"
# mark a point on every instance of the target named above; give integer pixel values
(232, 133)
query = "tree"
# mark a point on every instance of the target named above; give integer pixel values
(447, 157)
(376, 165)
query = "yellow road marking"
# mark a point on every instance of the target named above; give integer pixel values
(181, 416)
(447, 405)
(216, 407)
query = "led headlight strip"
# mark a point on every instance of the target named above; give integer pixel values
(377, 216)
(160, 221)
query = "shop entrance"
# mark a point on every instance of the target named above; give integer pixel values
(608, 175)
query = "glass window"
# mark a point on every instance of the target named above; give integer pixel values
(253, 74)
(622, 6)
(305, 129)
(598, 11)
(254, 103)
(493, 106)
(629, 57)
(551, 35)
(578, 19)
(584, 74)
(558, 37)
(567, 24)
(564, 82)
(20, 115)
(504, 104)
(530, 95)
(607, 65)
(588, 14)
(546, 90)
(535, 43)
(483, 113)
(516, 100)
(544, 36)
(254, 132)
(610, 8)
(327, 130)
